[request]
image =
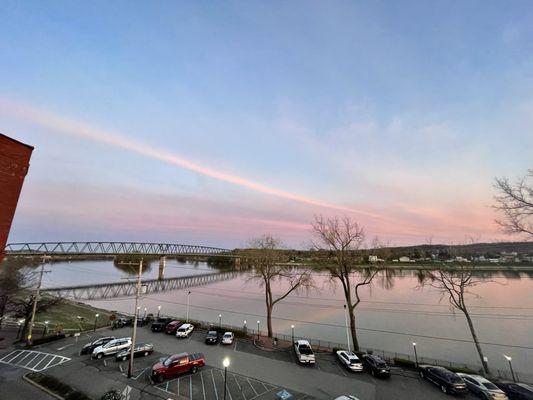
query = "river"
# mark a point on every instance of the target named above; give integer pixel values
(394, 313)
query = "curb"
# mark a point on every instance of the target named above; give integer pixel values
(48, 391)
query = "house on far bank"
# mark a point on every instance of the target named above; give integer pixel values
(404, 259)
(372, 259)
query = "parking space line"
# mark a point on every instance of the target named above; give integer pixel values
(266, 390)
(29, 362)
(252, 386)
(214, 385)
(190, 387)
(49, 362)
(203, 387)
(178, 386)
(19, 361)
(240, 387)
(13, 352)
(40, 361)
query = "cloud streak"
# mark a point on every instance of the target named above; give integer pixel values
(82, 130)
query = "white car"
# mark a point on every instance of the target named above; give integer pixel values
(228, 338)
(350, 360)
(483, 387)
(184, 331)
(304, 352)
(347, 397)
(111, 347)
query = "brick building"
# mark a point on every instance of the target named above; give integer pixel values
(14, 164)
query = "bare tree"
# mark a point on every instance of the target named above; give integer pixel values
(342, 239)
(14, 281)
(515, 202)
(270, 268)
(456, 284)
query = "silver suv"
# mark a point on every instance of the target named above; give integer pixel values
(111, 347)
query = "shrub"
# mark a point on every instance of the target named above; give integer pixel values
(55, 385)
(111, 395)
(402, 362)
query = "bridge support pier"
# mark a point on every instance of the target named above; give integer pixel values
(162, 264)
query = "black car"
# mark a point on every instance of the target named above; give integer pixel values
(122, 322)
(211, 337)
(446, 380)
(141, 349)
(376, 366)
(160, 324)
(89, 347)
(518, 391)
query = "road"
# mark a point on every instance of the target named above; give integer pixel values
(254, 373)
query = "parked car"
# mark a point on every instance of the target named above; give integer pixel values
(211, 337)
(228, 338)
(122, 322)
(482, 387)
(184, 331)
(376, 366)
(141, 349)
(89, 347)
(447, 381)
(172, 327)
(518, 391)
(160, 324)
(111, 347)
(177, 364)
(347, 397)
(350, 360)
(304, 352)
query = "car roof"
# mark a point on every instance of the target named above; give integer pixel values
(228, 333)
(212, 331)
(179, 355)
(348, 353)
(478, 378)
(185, 325)
(301, 341)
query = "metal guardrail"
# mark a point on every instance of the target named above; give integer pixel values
(111, 248)
(128, 288)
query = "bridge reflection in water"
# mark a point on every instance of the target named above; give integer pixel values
(128, 288)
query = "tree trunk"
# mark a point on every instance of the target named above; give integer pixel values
(355, 342)
(269, 321)
(476, 342)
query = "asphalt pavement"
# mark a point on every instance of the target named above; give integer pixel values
(253, 374)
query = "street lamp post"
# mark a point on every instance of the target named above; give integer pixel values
(509, 359)
(258, 322)
(244, 328)
(416, 355)
(158, 311)
(225, 363)
(95, 321)
(45, 328)
(20, 322)
(292, 327)
(145, 313)
(188, 303)
(220, 321)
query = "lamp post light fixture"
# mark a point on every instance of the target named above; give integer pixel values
(20, 322)
(292, 327)
(225, 363)
(258, 322)
(416, 355)
(244, 328)
(220, 320)
(95, 321)
(158, 311)
(509, 359)
(45, 328)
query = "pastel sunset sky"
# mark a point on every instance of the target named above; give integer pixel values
(213, 122)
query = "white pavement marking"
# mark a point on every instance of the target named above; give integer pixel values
(214, 385)
(29, 362)
(19, 361)
(140, 374)
(64, 347)
(190, 387)
(240, 387)
(203, 387)
(255, 391)
(11, 359)
(6, 356)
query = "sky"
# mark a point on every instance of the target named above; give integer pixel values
(215, 122)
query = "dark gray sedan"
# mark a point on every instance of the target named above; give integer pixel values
(141, 350)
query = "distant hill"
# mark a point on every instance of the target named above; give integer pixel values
(467, 249)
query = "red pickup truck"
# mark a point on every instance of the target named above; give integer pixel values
(177, 364)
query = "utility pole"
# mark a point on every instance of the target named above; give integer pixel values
(138, 293)
(35, 300)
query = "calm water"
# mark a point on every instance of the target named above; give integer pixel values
(395, 312)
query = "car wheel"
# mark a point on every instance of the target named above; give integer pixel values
(422, 375)
(99, 355)
(443, 388)
(194, 369)
(159, 378)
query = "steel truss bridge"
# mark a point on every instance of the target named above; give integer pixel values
(112, 248)
(128, 288)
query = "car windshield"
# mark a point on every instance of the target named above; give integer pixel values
(109, 344)
(490, 386)
(227, 335)
(305, 349)
(211, 333)
(167, 361)
(181, 330)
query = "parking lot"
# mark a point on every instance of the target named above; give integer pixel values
(253, 373)
(35, 361)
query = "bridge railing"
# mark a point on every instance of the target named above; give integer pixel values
(111, 248)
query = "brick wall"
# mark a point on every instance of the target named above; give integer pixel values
(14, 164)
